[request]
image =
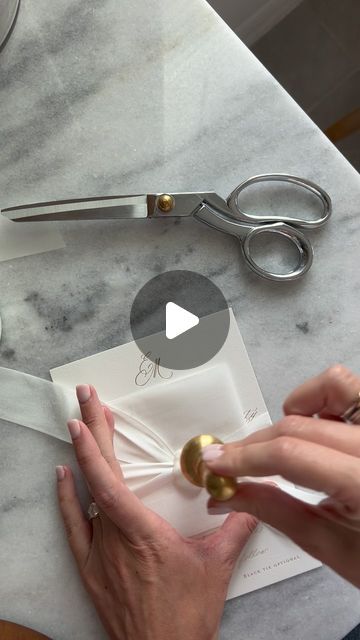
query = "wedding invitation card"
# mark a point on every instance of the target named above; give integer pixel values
(157, 410)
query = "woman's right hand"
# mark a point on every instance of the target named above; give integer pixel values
(320, 453)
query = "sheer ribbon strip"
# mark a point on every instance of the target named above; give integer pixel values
(147, 459)
(36, 403)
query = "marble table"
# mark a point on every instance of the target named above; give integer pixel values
(121, 97)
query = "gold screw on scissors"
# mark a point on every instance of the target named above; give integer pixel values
(166, 202)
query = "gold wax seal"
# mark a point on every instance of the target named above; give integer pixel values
(195, 471)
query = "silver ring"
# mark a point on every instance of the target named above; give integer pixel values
(93, 511)
(352, 414)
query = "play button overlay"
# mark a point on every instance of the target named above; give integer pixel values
(179, 320)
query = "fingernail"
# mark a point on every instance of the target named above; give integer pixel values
(83, 392)
(60, 472)
(271, 483)
(212, 451)
(219, 510)
(74, 428)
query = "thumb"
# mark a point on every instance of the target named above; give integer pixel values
(299, 521)
(234, 534)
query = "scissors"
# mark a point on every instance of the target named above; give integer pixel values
(206, 207)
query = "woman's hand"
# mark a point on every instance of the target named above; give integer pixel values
(145, 579)
(319, 453)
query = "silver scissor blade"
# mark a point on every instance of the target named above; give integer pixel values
(107, 208)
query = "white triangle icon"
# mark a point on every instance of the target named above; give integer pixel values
(178, 320)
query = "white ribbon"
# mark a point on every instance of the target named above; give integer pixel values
(35, 403)
(147, 461)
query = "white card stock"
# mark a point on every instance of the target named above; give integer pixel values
(157, 410)
(18, 239)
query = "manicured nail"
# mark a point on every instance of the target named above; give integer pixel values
(83, 392)
(271, 483)
(60, 472)
(220, 509)
(74, 428)
(212, 451)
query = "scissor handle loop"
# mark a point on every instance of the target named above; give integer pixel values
(239, 214)
(300, 241)
(246, 234)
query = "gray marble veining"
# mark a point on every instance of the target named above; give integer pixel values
(124, 97)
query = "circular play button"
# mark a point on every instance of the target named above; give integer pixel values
(179, 319)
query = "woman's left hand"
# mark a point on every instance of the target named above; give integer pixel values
(145, 579)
